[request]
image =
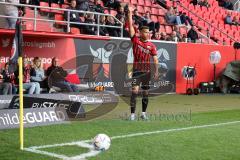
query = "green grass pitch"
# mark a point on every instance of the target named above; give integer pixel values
(210, 143)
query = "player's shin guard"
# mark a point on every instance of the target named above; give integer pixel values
(133, 102)
(144, 103)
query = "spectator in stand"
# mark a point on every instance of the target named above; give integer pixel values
(5, 87)
(114, 32)
(23, 9)
(74, 16)
(204, 3)
(192, 34)
(103, 30)
(112, 4)
(89, 29)
(35, 2)
(162, 3)
(228, 19)
(184, 38)
(31, 87)
(164, 36)
(125, 31)
(56, 77)
(9, 10)
(37, 73)
(178, 34)
(185, 19)
(120, 13)
(138, 20)
(83, 5)
(226, 4)
(156, 36)
(60, 2)
(153, 26)
(194, 2)
(9, 77)
(235, 21)
(173, 37)
(171, 18)
(96, 7)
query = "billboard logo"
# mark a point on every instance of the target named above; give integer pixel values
(163, 58)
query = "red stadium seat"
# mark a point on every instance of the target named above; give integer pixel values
(141, 2)
(134, 2)
(155, 11)
(140, 9)
(154, 18)
(127, 1)
(74, 30)
(59, 17)
(162, 29)
(161, 12)
(44, 4)
(148, 3)
(54, 5)
(147, 9)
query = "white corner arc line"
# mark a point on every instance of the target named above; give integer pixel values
(85, 143)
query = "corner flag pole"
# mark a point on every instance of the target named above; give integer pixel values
(21, 100)
(16, 55)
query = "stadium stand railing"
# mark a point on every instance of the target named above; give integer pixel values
(34, 20)
(210, 20)
(207, 28)
(236, 6)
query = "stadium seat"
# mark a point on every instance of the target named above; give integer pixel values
(154, 18)
(141, 2)
(140, 9)
(74, 30)
(59, 17)
(161, 12)
(147, 9)
(127, 1)
(54, 5)
(148, 3)
(135, 2)
(162, 29)
(155, 11)
(44, 4)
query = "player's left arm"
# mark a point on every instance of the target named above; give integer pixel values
(155, 61)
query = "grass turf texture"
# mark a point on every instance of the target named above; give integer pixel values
(221, 142)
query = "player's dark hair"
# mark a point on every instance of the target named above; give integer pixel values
(144, 27)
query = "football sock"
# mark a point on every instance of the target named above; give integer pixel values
(144, 103)
(133, 102)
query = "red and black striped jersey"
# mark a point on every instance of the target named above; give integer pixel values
(142, 52)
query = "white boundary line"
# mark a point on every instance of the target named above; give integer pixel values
(92, 152)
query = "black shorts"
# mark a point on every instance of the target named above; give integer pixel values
(141, 79)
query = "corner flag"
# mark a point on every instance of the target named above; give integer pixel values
(16, 54)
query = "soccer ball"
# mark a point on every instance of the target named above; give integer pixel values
(101, 142)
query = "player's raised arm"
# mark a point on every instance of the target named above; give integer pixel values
(130, 21)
